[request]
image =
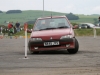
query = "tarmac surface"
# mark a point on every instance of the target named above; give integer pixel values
(85, 62)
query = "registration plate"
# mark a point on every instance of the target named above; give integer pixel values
(51, 43)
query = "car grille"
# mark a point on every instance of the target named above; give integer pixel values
(51, 46)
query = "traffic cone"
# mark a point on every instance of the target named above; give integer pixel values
(15, 37)
(24, 37)
(1, 37)
(28, 36)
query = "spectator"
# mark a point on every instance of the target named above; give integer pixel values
(99, 21)
(10, 29)
(17, 26)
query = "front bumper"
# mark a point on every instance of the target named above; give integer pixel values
(68, 43)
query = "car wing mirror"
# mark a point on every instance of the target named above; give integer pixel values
(29, 31)
(73, 27)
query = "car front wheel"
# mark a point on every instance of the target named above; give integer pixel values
(75, 50)
(34, 52)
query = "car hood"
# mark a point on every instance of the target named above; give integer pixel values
(53, 32)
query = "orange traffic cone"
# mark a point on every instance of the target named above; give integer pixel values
(1, 37)
(15, 37)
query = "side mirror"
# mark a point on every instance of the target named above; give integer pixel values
(72, 26)
(75, 27)
(29, 31)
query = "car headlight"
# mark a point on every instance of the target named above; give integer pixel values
(35, 39)
(66, 36)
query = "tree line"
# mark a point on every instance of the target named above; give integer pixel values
(12, 11)
(1, 11)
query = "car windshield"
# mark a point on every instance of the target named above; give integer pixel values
(51, 23)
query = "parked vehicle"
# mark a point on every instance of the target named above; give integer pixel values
(98, 25)
(86, 25)
(53, 33)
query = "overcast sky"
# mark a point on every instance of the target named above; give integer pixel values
(66, 6)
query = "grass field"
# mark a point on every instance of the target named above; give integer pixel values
(33, 14)
(24, 16)
(85, 18)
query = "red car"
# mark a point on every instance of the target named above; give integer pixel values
(53, 33)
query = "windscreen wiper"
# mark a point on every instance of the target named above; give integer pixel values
(63, 27)
(47, 28)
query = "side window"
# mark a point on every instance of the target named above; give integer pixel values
(37, 25)
(82, 25)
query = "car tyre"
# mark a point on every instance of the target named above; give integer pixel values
(32, 52)
(75, 50)
(35, 52)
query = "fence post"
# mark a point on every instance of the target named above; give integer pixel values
(1, 30)
(25, 28)
(94, 30)
(26, 43)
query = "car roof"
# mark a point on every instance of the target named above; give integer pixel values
(52, 17)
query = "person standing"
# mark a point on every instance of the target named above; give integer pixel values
(17, 26)
(10, 29)
(99, 21)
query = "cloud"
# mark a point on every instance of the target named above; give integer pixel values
(96, 9)
(67, 8)
(70, 6)
(64, 7)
